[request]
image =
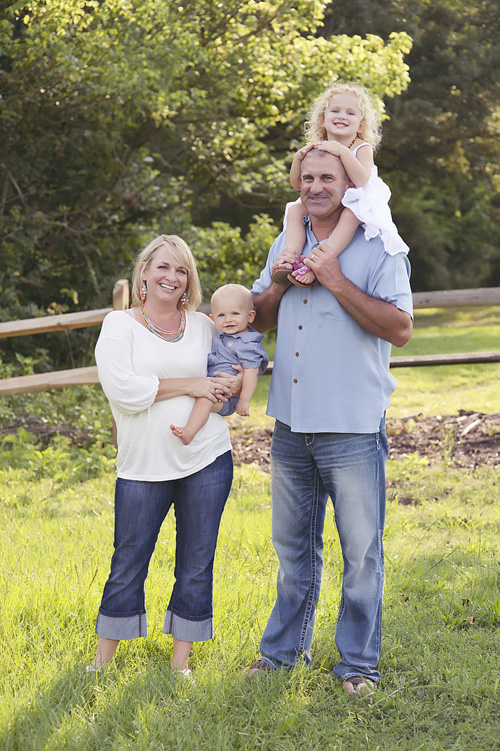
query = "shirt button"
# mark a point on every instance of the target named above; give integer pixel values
(295, 380)
(296, 354)
(300, 328)
(305, 302)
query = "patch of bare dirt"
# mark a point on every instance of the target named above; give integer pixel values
(467, 440)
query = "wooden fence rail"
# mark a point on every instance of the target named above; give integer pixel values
(453, 298)
(86, 376)
(60, 378)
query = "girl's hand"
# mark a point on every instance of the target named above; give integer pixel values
(333, 147)
(303, 151)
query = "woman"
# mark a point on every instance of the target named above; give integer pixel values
(152, 363)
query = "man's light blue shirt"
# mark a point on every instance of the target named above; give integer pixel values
(329, 374)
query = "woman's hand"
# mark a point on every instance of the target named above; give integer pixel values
(214, 388)
(217, 388)
(233, 382)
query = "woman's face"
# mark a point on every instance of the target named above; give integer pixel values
(165, 278)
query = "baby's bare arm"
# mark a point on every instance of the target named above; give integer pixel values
(250, 378)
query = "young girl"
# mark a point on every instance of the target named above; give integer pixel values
(345, 122)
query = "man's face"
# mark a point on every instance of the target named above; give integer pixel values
(323, 183)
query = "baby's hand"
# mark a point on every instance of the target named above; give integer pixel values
(243, 408)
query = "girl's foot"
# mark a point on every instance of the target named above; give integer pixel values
(183, 676)
(303, 277)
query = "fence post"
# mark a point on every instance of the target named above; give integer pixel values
(121, 295)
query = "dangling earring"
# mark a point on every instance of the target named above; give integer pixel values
(184, 299)
(144, 292)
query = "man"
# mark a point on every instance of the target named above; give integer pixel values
(329, 392)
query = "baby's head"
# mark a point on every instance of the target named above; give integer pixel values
(232, 308)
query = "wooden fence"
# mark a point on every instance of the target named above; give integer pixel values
(61, 378)
(85, 376)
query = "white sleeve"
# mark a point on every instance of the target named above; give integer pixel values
(127, 392)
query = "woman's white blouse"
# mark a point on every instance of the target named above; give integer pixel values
(130, 361)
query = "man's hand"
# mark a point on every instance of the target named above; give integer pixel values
(378, 317)
(285, 260)
(325, 265)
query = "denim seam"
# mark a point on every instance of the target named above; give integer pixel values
(380, 548)
(312, 549)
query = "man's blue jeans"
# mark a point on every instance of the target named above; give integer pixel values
(306, 469)
(140, 508)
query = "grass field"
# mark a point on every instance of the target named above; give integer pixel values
(440, 659)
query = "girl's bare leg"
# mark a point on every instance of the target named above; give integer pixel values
(181, 652)
(106, 649)
(295, 237)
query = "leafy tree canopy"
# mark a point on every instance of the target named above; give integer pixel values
(441, 151)
(123, 118)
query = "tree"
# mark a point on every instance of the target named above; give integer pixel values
(118, 117)
(441, 152)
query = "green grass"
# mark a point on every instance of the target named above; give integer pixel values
(446, 389)
(441, 680)
(440, 668)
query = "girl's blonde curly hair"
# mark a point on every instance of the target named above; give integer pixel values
(369, 128)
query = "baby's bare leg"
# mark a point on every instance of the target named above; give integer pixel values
(197, 419)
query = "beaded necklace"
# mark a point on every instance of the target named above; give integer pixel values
(168, 336)
(352, 141)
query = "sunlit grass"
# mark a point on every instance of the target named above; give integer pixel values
(441, 680)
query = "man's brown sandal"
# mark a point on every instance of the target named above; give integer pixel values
(358, 685)
(257, 667)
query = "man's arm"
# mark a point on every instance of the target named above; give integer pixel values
(378, 317)
(267, 303)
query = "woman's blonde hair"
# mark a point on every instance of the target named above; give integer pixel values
(181, 254)
(369, 127)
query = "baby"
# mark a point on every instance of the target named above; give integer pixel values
(236, 344)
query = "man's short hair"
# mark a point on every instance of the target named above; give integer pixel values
(322, 154)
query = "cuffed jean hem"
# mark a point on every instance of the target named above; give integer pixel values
(274, 664)
(121, 627)
(185, 630)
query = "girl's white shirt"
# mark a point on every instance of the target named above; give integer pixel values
(370, 204)
(130, 361)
